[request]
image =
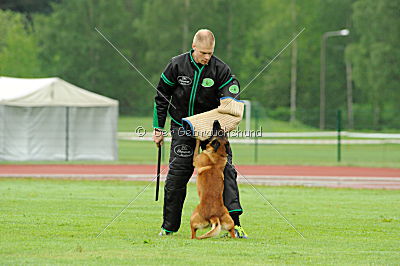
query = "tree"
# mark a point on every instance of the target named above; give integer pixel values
(376, 58)
(293, 71)
(72, 49)
(27, 6)
(18, 47)
(62, 41)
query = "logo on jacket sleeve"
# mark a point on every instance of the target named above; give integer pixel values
(207, 82)
(184, 80)
(234, 89)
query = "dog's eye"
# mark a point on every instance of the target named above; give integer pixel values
(215, 144)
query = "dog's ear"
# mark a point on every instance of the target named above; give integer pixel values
(228, 148)
(216, 127)
(215, 144)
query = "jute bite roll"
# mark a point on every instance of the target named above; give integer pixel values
(229, 114)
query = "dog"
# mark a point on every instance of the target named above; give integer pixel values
(210, 166)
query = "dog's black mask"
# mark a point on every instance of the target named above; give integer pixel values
(215, 144)
(228, 148)
(220, 135)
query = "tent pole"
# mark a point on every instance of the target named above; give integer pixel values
(67, 133)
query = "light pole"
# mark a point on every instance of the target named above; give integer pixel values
(322, 90)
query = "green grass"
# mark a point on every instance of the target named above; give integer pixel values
(129, 124)
(387, 155)
(140, 152)
(382, 155)
(56, 222)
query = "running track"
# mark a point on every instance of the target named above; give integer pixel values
(319, 176)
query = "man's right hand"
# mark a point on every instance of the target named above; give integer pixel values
(158, 137)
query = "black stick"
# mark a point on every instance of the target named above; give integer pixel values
(158, 171)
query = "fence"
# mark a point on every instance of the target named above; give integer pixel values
(272, 141)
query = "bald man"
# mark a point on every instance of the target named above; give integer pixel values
(194, 82)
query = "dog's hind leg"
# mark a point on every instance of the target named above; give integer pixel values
(193, 232)
(215, 228)
(228, 224)
(197, 222)
(232, 233)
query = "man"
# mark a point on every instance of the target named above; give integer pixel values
(192, 83)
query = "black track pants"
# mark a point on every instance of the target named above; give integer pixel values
(180, 170)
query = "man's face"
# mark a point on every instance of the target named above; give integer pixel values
(202, 53)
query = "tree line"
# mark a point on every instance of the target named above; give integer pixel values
(58, 38)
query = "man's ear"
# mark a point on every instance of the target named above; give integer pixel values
(215, 144)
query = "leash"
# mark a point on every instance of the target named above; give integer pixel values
(158, 171)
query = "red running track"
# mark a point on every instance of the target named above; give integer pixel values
(352, 177)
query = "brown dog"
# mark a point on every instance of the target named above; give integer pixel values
(210, 166)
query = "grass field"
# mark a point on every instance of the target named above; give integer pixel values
(56, 222)
(382, 155)
(141, 152)
(386, 155)
(126, 123)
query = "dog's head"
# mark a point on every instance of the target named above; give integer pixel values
(218, 142)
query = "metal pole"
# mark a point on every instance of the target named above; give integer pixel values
(67, 134)
(322, 97)
(350, 117)
(247, 105)
(255, 136)
(339, 129)
(293, 72)
(322, 108)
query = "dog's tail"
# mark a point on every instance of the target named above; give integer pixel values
(215, 228)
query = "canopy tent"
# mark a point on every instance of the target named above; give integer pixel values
(51, 119)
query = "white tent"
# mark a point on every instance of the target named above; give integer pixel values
(51, 119)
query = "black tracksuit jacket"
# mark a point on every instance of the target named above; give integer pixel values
(191, 88)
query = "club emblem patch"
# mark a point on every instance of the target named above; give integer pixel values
(183, 150)
(207, 82)
(234, 89)
(184, 80)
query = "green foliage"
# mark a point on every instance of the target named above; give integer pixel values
(18, 47)
(249, 35)
(376, 58)
(27, 6)
(75, 51)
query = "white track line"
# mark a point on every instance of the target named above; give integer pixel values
(256, 178)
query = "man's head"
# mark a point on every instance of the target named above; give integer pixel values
(203, 46)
